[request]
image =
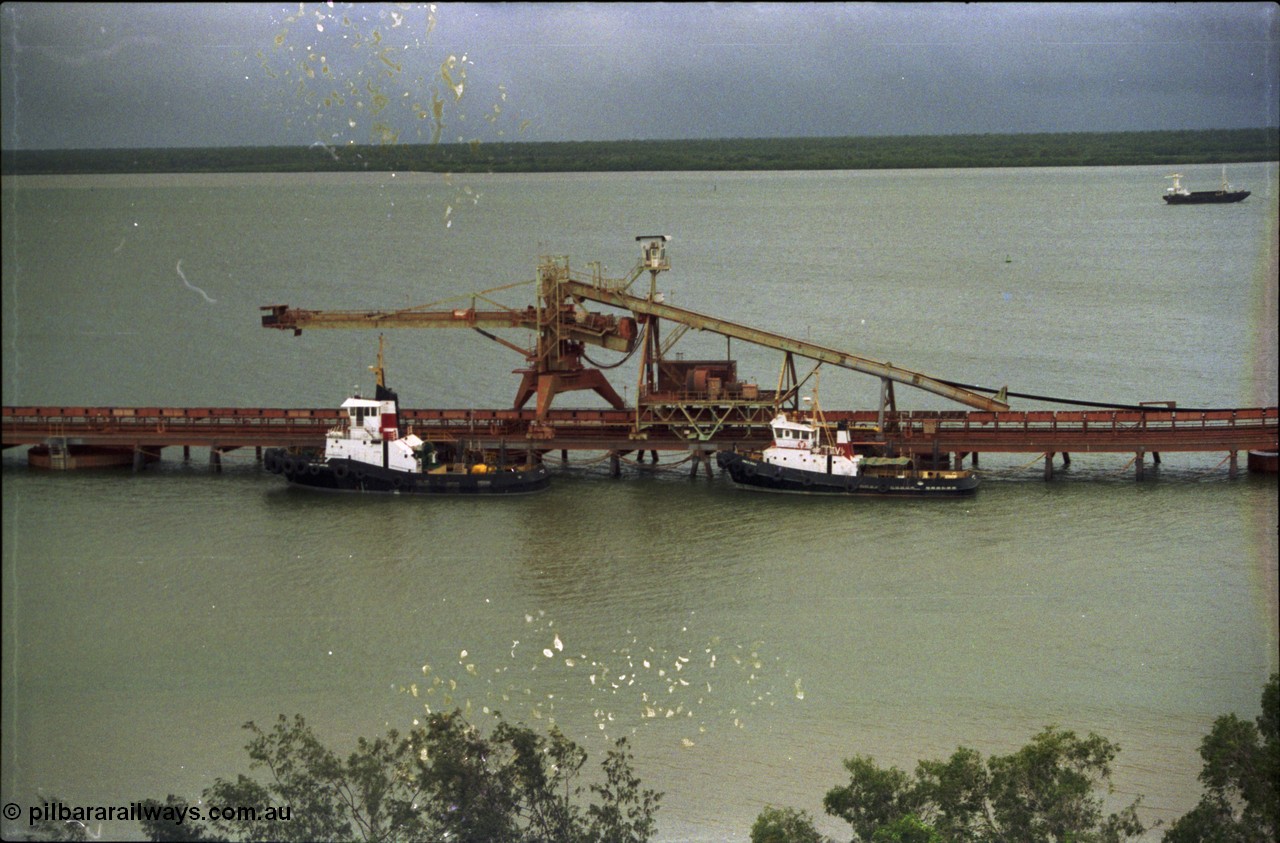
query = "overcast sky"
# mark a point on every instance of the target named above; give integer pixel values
(213, 74)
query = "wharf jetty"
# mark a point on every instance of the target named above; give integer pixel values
(935, 437)
(691, 408)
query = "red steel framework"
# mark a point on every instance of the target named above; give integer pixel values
(697, 430)
(695, 407)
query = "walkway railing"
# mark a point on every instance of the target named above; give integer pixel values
(917, 431)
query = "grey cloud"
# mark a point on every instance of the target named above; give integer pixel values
(213, 74)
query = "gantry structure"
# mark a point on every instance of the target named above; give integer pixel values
(700, 395)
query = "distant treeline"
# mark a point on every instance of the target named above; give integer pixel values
(853, 153)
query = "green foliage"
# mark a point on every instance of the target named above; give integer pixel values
(550, 810)
(1045, 792)
(784, 825)
(908, 829)
(53, 829)
(828, 153)
(447, 781)
(873, 797)
(441, 781)
(1241, 778)
(961, 787)
(625, 813)
(160, 821)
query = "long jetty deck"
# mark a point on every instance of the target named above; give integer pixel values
(691, 430)
(691, 407)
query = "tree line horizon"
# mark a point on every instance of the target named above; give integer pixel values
(1072, 149)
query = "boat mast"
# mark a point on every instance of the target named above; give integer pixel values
(378, 374)
(816, 417)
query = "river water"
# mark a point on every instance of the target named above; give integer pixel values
(754, 641)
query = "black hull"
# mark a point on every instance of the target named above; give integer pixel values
(773, 478)
(1206, 197)
(351, 476)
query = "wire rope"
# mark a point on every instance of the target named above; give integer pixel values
(1079, 403)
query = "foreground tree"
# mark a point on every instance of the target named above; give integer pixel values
(161, 822)
(1050, 791)
(443, 781)
(53, 829)
(784, 825)
(1241, 778)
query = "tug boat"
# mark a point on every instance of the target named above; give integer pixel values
(798, 461)
(366, 452)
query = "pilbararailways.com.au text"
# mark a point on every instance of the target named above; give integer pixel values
(138, 811)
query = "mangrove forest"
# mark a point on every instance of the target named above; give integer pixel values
(1077, 149)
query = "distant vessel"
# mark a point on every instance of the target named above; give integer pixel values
(366, 452)
(798, 461)
(1179, 195)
